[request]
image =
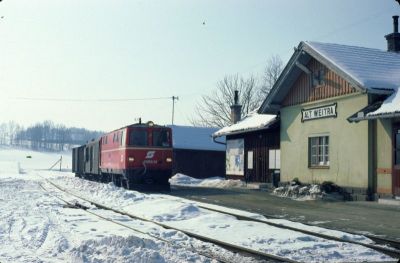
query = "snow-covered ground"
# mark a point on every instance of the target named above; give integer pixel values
(36, 226)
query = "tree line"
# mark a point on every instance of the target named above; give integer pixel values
(46, 136)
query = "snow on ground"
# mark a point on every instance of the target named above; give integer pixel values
(12, 158)
(35, 226)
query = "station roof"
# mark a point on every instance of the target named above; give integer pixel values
(389, 108)
(391, 105)
(252, 122)
(370, 68)
(367, 69)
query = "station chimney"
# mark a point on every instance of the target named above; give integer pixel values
(393, 39)
(236, 109)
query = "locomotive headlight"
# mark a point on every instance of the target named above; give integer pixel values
(168, 160)
(131, 159)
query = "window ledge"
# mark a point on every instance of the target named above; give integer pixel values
(318, 167)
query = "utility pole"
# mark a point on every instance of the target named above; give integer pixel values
(173, 107)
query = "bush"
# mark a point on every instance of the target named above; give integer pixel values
(295, 181)
(329, 187)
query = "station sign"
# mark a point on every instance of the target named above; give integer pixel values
(326, 111)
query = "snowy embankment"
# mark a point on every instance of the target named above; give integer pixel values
(35, 226)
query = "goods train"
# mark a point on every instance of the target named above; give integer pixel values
(134, 156)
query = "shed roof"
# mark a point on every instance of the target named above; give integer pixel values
(195, 138)
(367, 69)
(253, 121)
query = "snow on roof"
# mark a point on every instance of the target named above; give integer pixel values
(390, 105)
(372, 68)
(252, 121)
(195, 138)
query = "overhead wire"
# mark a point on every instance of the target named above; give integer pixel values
(90, 100)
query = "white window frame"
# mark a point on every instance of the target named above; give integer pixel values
(318, 151)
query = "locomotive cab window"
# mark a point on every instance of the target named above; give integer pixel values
(138, 137)
(161, 138)
(122, 142)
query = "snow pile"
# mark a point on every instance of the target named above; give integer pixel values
(298, 192)
(303, 192)
(124, 249)
(213, 182)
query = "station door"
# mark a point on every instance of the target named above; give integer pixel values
(396, 160)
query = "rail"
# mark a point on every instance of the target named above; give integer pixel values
(235, 248)
(393, 252)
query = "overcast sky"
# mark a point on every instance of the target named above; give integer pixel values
(60, 59)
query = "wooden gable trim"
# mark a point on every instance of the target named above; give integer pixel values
(308, 88)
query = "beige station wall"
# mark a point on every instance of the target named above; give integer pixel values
(384, 156)
(348, 143)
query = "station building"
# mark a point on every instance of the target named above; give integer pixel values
(339, 113)
(252, 148)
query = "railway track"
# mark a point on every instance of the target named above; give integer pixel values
(87, 209)
(388, 251)
(393, 251)
(255, 254)
(384, 241)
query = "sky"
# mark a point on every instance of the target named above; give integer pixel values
(102, 64)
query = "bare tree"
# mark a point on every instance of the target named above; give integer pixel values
(271, 74)
(214, 110)
(3, 134)
(13, 127)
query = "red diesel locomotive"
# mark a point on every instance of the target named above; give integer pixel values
(132, 156)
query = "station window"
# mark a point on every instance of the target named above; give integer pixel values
(318, 151)
(138, 137)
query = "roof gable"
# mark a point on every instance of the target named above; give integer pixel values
(365, 69)
(321, 83)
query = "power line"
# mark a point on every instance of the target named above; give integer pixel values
(90, 100)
